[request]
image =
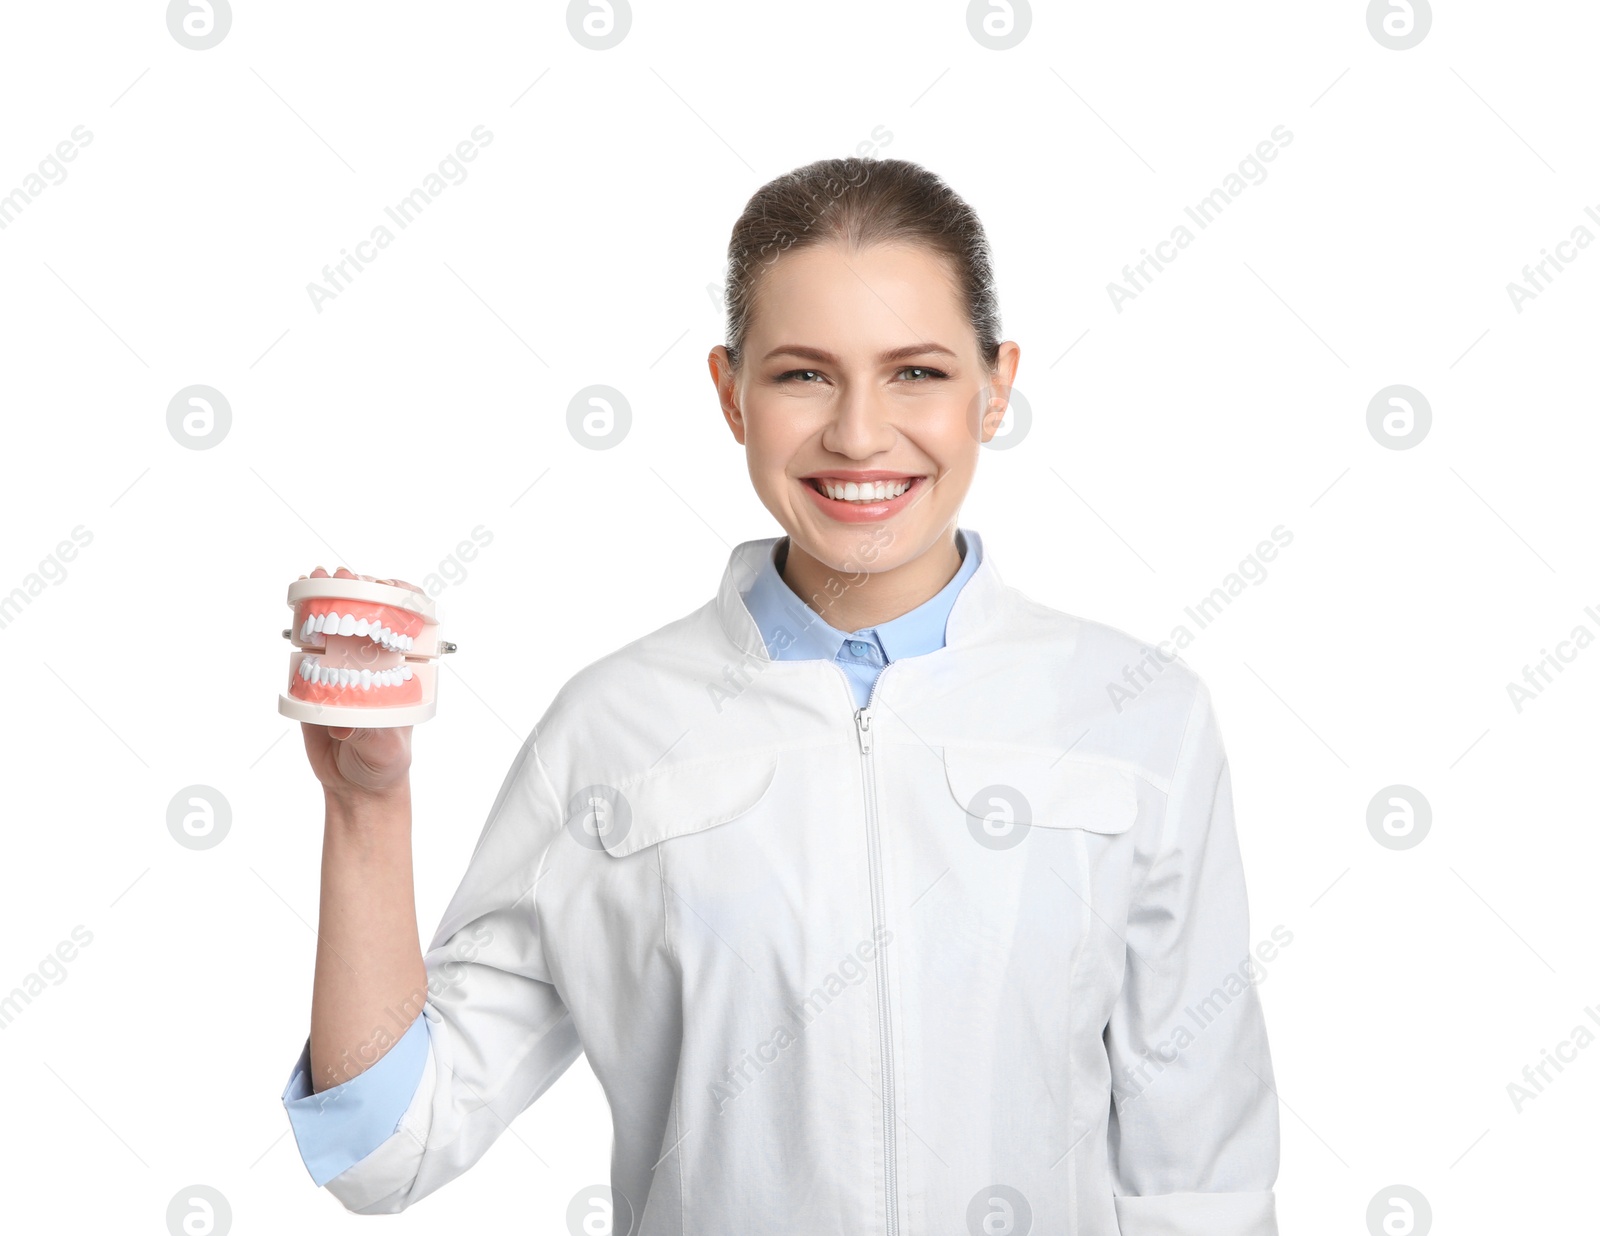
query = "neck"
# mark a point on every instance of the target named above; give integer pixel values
(853, 599)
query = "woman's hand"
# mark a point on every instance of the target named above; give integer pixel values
(356, 763)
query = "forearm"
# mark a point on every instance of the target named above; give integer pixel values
(370, 981)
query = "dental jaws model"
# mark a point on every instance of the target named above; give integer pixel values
(366, 654)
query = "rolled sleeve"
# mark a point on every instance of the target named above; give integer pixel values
(338, 1127)
(1193, 1135)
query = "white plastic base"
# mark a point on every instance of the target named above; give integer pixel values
(358, 718)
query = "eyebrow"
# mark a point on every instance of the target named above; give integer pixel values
(893, 354)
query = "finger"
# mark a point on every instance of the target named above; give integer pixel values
(342, 573)
(319, 573)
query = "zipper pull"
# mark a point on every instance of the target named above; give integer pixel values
(864, 729)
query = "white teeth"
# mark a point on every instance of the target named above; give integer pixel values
(390, 640)
(334, 623)
(314, 671)
(870, 491)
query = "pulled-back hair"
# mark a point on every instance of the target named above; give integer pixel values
(859, 202)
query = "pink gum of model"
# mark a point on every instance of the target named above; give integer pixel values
(366, 654)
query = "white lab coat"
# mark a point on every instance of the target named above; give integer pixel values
(824, 986)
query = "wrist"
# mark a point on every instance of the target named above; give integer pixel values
(358, 808)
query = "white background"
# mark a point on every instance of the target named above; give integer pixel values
(1166, 441)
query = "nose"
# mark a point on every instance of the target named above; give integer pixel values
(861, 425)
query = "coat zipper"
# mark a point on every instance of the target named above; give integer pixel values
(863, 716)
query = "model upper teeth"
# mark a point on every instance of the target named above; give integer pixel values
(334, 623)
(342, 676)
(869, 491)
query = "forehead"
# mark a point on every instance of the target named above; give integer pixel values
(852, 297)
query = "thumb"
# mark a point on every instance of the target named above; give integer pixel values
(341, 733)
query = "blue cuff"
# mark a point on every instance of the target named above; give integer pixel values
(338, 1127)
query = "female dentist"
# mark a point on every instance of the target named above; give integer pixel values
(875, 898)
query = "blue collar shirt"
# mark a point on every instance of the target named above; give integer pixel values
(793, 631)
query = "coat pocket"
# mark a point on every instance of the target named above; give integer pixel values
(677, 799)
(1001, 788)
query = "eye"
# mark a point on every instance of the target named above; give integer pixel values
(789, 376)
(935, 373)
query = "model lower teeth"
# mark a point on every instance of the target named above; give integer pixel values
(875, 491)
(342, 676)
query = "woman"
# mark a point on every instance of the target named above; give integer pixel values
(873, 902)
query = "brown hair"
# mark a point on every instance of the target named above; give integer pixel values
(858, 202)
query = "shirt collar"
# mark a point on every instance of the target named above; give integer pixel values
(793, 631)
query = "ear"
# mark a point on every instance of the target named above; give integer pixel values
(994, 411)
(722, 377)
(1000, 384)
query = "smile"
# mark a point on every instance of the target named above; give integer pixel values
(870, 491)
(860, 501)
